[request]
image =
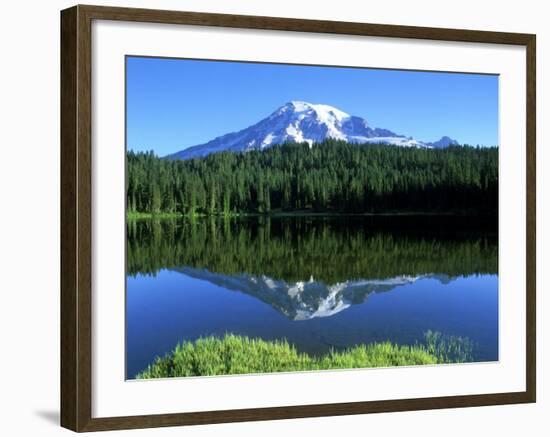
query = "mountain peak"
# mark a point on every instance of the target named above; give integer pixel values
(443, 142)
(299, 121)
(325, 112)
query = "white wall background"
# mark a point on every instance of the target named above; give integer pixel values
(29, 215)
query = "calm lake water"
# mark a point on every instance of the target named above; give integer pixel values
(321, 283)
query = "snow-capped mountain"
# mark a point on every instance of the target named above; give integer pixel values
(303, 122)
(443, 142)
(304, 300)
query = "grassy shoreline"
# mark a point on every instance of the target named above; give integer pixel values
(305, 213)
(233, 354)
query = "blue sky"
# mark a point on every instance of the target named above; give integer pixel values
(173, 104)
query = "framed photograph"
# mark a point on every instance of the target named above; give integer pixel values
(268, 218)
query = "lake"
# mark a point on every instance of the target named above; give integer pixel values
(319, 282)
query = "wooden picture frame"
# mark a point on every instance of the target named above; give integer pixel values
(76, 217)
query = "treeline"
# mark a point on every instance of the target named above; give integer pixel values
(295, 249)
(332, 176)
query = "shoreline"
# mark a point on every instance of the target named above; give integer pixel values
(305, 213)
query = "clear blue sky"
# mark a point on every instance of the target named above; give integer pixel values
(173, 104)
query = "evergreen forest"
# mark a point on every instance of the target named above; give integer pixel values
(328, 177)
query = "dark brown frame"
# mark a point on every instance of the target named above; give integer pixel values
(76, 221)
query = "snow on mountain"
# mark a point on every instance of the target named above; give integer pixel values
(298, 122)
(309, 299)
(443, 142)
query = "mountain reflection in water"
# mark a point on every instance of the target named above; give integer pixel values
(305, 300)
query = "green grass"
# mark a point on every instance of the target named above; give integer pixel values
(135, 215)
(149, 215)
(234, 354)
(449, 349)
